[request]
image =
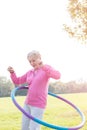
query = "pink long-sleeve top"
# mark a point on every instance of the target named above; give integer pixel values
(38, 84)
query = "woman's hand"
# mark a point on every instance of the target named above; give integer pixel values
(38, 64)
(10, 69)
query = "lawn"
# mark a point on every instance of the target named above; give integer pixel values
(57, 112)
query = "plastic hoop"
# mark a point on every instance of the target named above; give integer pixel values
(45, 123)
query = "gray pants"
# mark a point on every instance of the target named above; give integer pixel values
(28, 124)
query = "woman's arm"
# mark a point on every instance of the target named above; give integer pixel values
(51, 72)
(16, 80)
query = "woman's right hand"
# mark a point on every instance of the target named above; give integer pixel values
(10, 69)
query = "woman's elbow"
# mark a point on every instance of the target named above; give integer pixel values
(58, 75)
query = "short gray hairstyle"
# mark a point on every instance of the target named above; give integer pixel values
(33, 53)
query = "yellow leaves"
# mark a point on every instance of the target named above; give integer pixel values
(69, 30)
(78, 12)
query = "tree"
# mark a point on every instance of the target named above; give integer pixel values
(5, 87)
(77, 10)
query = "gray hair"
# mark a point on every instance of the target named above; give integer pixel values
(33, 53)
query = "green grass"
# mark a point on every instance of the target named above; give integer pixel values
(57, 112)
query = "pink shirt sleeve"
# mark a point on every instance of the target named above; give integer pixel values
(18, 80)
(51, 72)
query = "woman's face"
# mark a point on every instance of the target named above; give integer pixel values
(35, 61)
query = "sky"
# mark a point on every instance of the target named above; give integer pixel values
(27, 25)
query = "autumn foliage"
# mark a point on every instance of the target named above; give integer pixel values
(77, 10)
